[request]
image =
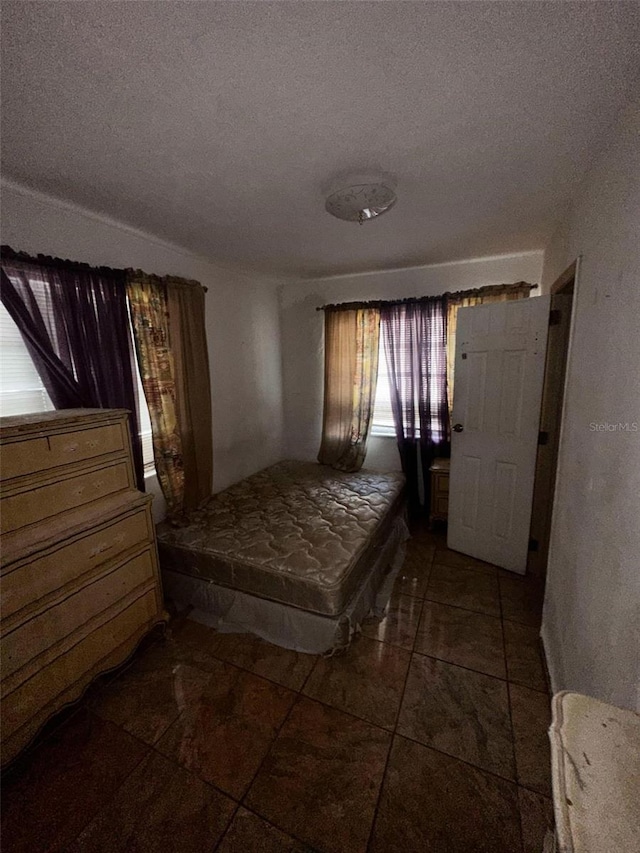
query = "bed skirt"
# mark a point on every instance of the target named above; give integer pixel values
(232, 611)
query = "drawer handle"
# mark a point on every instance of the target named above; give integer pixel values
(106, 546)
(92, 444)
(98, 484)
(71, 448)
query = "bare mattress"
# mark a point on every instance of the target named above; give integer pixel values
(298, 533)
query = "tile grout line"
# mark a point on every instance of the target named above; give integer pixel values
(547, 797)
(393, 732)
(469, 609)
(301, 695)
(521, 624)
(237, 802)
(154, 746)
(234, 812)
(308, 676)
(513, 733)
(172, 760)
(460, 607)
(487, 570)
(242, 802)
(396, 733)
(298, 698)
(464, 761)
(395, 726)
(480, 671)
(105, 805)
(298, 695)
(251, 671)
(196, 775)
(309, 848)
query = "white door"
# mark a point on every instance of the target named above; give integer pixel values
(499, 371)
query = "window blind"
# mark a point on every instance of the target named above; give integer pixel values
(382, 423)
(22, 391)
(145, 427)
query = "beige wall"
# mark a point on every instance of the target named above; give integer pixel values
(591, 625)
(302, 334)
(242, 320)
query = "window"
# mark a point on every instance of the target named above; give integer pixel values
(22, 391)
(382, 421)
(144, 421)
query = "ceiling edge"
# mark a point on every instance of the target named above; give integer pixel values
(65, 204)
(242, 270)
(402, 268)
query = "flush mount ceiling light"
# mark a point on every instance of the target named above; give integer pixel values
(361, 202)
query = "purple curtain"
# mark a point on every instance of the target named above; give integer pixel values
(414, 335)
(75, 323)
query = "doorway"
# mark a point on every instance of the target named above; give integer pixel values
(560, 321)
(500, 360)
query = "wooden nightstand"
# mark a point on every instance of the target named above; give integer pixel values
(439, 490)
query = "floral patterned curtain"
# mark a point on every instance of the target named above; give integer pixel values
(350, 376)
(150, 319)
(466, 299)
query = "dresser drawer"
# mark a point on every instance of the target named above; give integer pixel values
(440, 507)
(58, 624)
(39, 454)
(36, 504)
(442, 483)
(35, 699)
(28, 582)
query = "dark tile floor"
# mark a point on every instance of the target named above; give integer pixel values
(429, 734)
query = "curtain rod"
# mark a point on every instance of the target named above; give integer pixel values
(167, 279)
(12, 256)
(9, 254)
(383, 303)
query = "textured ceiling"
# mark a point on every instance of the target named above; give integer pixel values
(221, 125)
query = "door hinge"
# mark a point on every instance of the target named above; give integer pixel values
(543, 437)
(554, 317)
(533, 544)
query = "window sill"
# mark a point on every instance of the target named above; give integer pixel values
(382, 432)
(387, 432)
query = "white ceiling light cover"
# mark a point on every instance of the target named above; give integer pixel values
(361, 202)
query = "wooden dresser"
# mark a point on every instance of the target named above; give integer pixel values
(79, 568)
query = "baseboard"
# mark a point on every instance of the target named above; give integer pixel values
(550, 660)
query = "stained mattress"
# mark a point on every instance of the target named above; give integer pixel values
(298, 533)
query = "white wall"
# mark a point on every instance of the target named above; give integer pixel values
(242, 320)
(303, 339)
(591, 624)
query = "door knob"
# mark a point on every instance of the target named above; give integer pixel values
(458, 427)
